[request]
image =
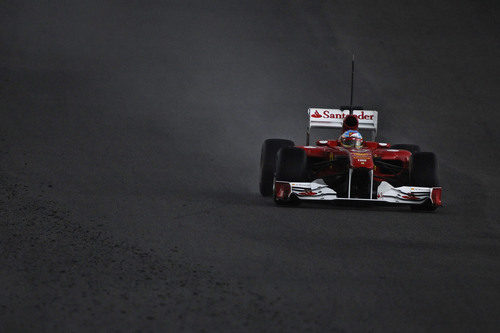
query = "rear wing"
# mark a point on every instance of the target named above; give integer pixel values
(334, 118)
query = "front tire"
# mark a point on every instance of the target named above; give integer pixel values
(270, 148)
(423, 172)
(291, 166)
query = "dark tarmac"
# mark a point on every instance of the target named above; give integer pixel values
(130, 138)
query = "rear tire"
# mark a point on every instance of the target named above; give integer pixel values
(269, 150)
(411, 148)
(423, 172)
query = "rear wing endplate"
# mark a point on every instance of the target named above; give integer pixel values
(334, 118)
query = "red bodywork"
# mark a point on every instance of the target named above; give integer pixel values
(387, 164)
(329, 150)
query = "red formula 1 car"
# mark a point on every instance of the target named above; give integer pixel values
(348, 168)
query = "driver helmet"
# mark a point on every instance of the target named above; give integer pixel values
(351, 139)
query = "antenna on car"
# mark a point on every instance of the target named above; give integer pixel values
(352, 84)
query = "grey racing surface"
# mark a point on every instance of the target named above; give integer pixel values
(130, 137)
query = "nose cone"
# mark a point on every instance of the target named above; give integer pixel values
(361, 158)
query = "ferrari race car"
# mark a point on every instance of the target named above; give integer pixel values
(348, 168)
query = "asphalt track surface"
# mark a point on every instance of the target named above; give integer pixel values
(130, 136)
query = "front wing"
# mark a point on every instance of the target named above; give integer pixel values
(318, 190)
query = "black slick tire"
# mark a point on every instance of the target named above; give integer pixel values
(270, 148)
(291, 166)
(423, 172)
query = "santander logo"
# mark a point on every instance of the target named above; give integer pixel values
(325, 114)
(316, 115)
